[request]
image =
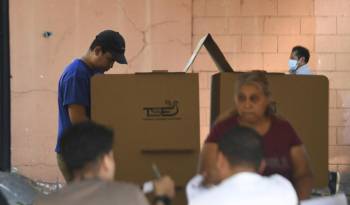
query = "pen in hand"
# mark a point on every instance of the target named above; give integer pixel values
(156, 171)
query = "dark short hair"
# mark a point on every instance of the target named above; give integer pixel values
(85, 143)
(301, 51)
(242, 146)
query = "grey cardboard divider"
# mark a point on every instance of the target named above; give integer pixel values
(213, 49)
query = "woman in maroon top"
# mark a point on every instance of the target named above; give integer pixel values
(283, 150)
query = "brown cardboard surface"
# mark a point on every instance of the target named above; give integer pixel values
(156, 120)
(300, 99)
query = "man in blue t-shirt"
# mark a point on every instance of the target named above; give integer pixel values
(74, 83)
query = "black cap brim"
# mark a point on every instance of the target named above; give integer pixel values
(120, 58)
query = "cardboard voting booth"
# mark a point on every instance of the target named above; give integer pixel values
(300, 99)
(155, 117)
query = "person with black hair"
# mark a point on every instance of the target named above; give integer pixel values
(89, 157)
(239, 162)
(299, 57)
(74, 83)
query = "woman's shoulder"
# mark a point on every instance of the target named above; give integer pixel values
(228, 117)
(280, 121)
(282, 126)
(221, 125)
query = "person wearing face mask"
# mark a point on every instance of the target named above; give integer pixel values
(284, 151)
(298, 60)
(74, 84)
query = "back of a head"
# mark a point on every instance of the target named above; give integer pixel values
(301, 51)
(242, 146)
(85, 143)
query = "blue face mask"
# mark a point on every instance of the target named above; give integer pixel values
(292, 64)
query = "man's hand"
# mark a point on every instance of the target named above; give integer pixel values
(164, 186)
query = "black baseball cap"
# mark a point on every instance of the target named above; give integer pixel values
(114, 43)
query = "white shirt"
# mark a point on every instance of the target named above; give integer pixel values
(194, 187)
(246, 188)
(303, 70)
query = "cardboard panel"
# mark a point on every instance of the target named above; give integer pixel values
(214, 51)
(156, 120)
(301, 99)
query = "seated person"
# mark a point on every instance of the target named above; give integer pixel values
(89, 157)
(238, 161)
(299, 57)
(283, 150)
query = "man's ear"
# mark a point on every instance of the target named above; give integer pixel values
(112, 156)
(107, 160)
(104, 162)
(302, 60)
(97, 50)
(221, 160)
(262, 166)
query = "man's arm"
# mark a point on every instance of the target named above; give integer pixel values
(77, 113)
(207, 162)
